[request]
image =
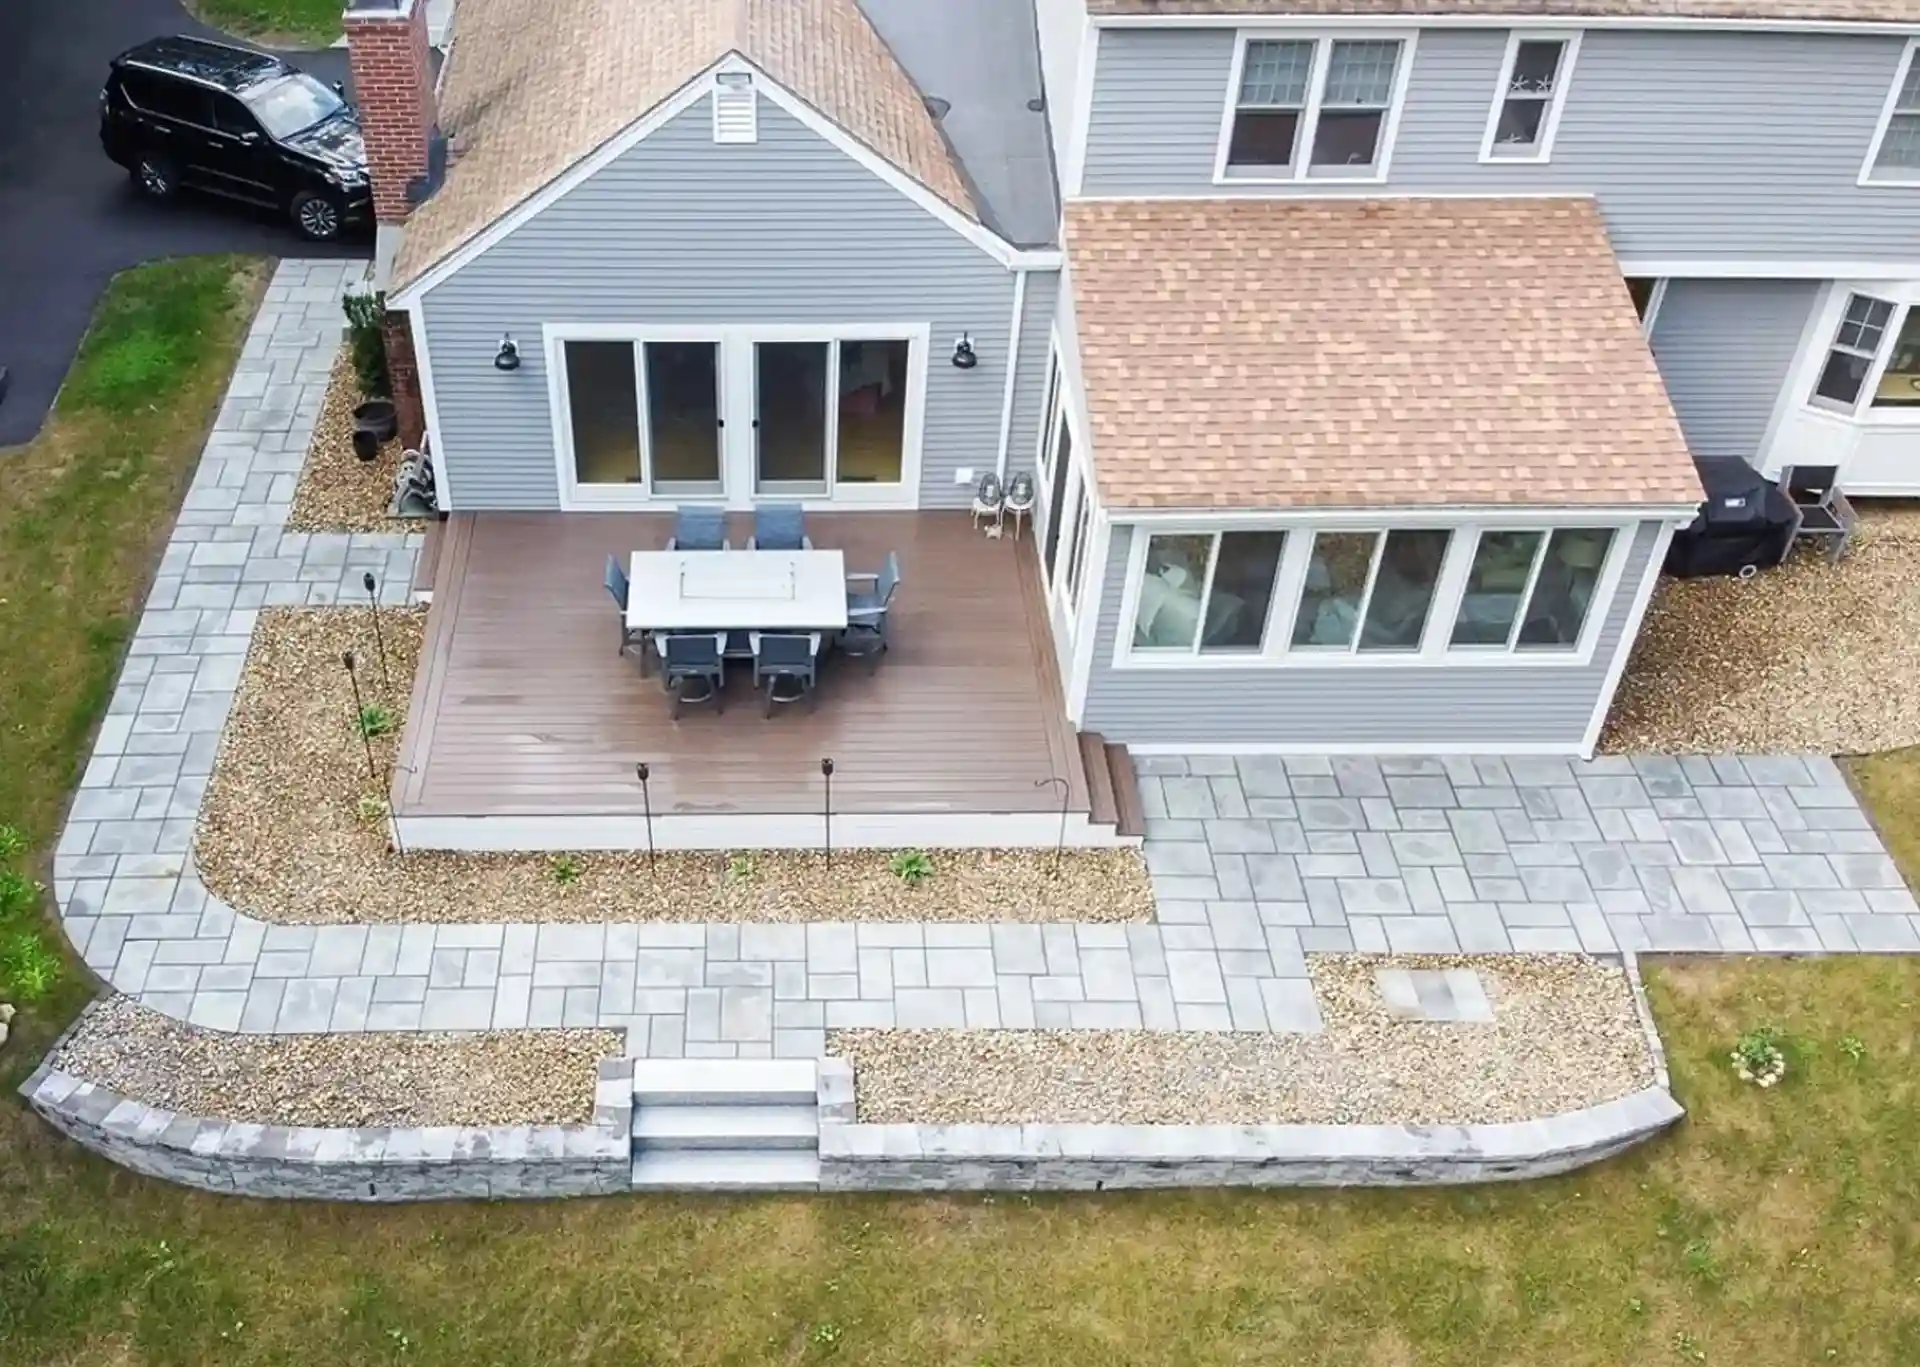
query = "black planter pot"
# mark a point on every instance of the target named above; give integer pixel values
(366, 443)
(379, 417)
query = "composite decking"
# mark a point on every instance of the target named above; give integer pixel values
(523, 708)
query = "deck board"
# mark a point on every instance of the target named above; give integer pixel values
(523, 705)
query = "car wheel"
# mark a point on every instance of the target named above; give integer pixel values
(153, 177)
(316, 216)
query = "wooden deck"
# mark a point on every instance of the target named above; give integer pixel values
(523, 709)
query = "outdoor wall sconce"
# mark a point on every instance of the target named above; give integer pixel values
(964, 357)
(508, 356)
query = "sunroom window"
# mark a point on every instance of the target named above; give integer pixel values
(1369, 591)
(1207, 591)
(1531, 590)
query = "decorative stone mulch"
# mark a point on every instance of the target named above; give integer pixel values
(543, 1077)
(1808, 657)
(293, 829)
(339, 492)
(1565, 1035)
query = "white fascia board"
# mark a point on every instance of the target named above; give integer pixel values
(1562, 19)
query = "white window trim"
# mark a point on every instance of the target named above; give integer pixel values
(1909, 177)
(735, 341)
(1435, 651)
(1877, 359)
(1556, 103)
(1323, 40)
(1655, 298)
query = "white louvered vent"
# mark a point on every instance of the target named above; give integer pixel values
(735, 108)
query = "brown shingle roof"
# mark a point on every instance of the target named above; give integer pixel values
(1363, 353)
(532, 86)
(1815, 11)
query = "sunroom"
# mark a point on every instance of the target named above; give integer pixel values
(1379, 476)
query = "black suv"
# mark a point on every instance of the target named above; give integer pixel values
(184, 112)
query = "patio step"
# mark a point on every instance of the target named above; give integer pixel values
(723, 1082)
(1132, 818)
(1104, 810)
(789, 1125)
(726, 1170)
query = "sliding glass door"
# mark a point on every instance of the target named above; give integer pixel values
(676, 385)
(829, 413)
(684, 426)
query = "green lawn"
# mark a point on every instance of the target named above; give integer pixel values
(280, 23)
(1775, 1228)
(84, 511)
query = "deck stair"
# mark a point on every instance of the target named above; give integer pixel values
(1112, 789)
(725, 1125)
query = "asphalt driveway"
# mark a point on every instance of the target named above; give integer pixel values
(69, 219)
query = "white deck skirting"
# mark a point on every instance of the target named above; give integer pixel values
(757, 831)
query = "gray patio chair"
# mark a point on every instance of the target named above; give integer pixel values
(618, 588)
(868, 609)
(1823, 511)
(790, 658)
(699, 529)
(779, 527)
(693, 668)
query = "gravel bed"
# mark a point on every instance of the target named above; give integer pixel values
(1807, 657)
(1565, 1035)
(283, 833)
(339, 492)
(543, 1077)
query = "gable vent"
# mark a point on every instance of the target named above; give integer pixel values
(736, 116)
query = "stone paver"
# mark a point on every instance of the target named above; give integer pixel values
(1256, 861)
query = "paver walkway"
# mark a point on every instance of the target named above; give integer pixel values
(1256, 861)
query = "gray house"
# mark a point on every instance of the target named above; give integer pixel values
(1358, 352)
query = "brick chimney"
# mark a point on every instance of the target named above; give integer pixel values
(393, 86)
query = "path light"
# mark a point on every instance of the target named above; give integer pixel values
(826, 809)
(1066, 796)
(643, 773)
(508, 356)
(964, 357)
(379, 641)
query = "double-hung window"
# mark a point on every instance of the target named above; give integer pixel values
(1894, 157)
(1850, 359)
(1313, 108)
(1530, 590)
(1528, 100)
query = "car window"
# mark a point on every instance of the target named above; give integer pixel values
(230, 116)
(174, 99)
(286, 106)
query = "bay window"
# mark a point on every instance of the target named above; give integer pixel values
(1855, 348)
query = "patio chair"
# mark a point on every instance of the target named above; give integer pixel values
(868, 608)
(1823, 511)
(989, 498)
(617, 588)
(779, 527)
(1019, 502)
(693, 668)
(699, 529)
(788, 663)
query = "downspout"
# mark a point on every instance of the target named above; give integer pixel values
(1013, 370)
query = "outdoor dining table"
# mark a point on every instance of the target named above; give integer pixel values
(737, 591)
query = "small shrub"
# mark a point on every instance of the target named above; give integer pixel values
(366, 313)
(28, 969)
(375, 721)
(740, 868)
(18, 894)
(912, 867)
(371, 808)
(12, 844)
(564, 869)
(1854, 1048)
(1758, 1058)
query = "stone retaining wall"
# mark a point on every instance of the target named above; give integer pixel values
(380, 1163)
(857, 1157)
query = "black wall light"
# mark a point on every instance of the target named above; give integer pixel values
(964, 356)
(508, 356)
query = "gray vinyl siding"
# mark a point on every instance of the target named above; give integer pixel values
(1030, 380)
(1724, 348)
(1696, 144)
(1398, 708)
(678, 231)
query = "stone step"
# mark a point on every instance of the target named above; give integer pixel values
(724, 1082)
(785, 1126)
(726, 1170)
